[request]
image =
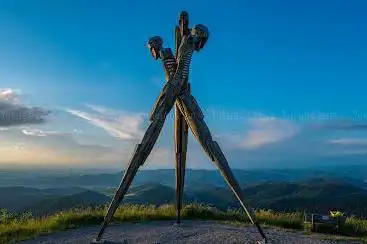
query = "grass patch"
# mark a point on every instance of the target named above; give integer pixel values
(17, 228)
(355, 226)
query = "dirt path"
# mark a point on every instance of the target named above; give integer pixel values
(190, 232)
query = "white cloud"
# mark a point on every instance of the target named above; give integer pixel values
(7, 94)
(33, 132)
(37, 132)
(267, 130)
(160, 158)
(13, 112)
(120, 124)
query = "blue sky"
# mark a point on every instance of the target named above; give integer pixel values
(275, 77)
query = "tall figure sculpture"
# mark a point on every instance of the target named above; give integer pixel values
(176, 92)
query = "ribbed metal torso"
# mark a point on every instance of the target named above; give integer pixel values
(186, 69)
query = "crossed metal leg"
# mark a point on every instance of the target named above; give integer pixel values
(141, 152)
(195, 119)
(181, 137)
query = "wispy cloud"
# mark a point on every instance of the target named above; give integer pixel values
(37, 132)
(349, 141)
(342, 125)
(120, 124)
(267, 130)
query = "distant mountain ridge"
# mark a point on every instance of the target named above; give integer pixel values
(315, 195)
(194, 178)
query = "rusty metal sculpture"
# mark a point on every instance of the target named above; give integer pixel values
(176, 92)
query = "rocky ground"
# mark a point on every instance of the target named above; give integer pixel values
(190, 232)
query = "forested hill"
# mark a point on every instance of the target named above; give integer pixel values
(316, 195)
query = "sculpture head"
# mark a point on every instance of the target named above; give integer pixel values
(184, 16)
(200, 35)
(155, 45)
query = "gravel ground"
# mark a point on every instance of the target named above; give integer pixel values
(190, 232)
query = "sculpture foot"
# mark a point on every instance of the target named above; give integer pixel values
(178, 217)
(263, 241)
(98, 241)
(180, 225)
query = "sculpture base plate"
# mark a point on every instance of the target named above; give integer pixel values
(181, 224)
(95, 241)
